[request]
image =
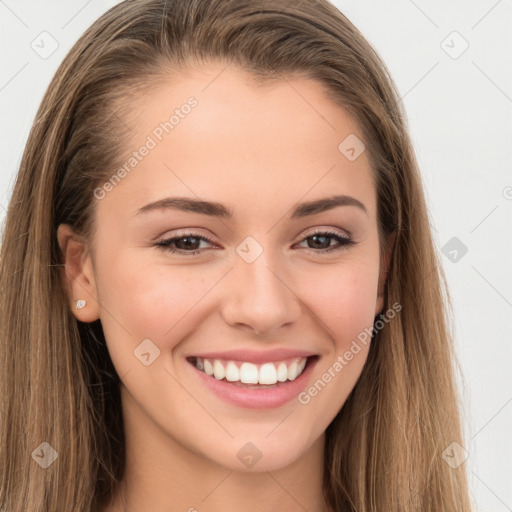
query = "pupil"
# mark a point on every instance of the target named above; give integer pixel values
(322, 244)
(185, 242)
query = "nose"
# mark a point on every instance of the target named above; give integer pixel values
(260, 299)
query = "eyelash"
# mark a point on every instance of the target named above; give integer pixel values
(343, 241)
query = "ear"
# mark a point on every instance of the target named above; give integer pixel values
(385, 260)
(78, 274)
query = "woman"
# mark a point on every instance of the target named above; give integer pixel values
(219, 284)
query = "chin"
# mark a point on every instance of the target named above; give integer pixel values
(261, 452)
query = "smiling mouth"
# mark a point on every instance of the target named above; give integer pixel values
(246, 374)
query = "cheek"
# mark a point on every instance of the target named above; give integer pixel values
(343, 298)
(150, 301)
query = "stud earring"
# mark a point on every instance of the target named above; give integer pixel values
(80, 303)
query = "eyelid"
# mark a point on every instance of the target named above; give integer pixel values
(327, 229)
(189, 231)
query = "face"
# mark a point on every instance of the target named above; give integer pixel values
(247, 271)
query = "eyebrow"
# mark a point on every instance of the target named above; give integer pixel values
(214, 209)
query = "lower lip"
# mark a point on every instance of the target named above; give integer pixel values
(257, 398)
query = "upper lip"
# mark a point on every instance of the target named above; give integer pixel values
(255, 356)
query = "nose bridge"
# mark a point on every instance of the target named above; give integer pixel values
(260, 296)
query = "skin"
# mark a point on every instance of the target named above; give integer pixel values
(259, 150)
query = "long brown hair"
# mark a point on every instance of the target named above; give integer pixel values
(58, 385)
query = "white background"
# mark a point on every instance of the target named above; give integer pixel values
(459, 112)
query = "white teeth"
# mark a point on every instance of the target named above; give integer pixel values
(232, 372)
(292, 371)
(219, 372)
(268, 374)
(249, 373)
(208, 367)
(282, 372)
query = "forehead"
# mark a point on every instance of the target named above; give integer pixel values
(215, 133)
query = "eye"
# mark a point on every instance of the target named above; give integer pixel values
(187, 244)
(321, 241)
